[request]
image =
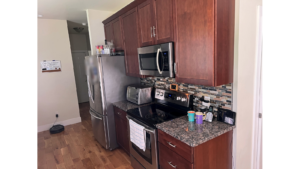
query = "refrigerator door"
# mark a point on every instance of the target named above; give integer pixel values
(98, 123)
(93, 82)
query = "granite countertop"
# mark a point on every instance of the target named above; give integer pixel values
(179, 129)
(126, 105)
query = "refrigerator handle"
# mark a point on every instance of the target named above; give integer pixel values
(90, 93)
(95, 116)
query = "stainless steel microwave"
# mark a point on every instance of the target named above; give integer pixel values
(156, 60)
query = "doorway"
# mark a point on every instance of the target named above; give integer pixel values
(80, 47)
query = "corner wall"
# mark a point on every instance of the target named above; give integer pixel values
(96, 27)
(56, 90)
(245, 80)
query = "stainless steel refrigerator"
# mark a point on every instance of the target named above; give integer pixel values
(107, 82)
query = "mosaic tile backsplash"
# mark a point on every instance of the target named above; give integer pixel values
(220, 96)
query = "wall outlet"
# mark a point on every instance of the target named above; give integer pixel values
(56, 115)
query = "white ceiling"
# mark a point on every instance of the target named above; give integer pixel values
(75, 10)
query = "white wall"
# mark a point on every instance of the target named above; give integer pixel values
(56, 90)
(96, 27)
(79, 41)
(244, 80)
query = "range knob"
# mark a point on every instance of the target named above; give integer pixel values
(161, 93)
(157, 93)
(178, 98)
(183, 99)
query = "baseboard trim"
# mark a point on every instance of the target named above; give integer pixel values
(64, 123)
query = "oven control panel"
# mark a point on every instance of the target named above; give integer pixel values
(180, 98)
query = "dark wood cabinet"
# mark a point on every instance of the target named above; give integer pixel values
(122, 133)
(108, 32)
(202, 33)
(213, 154)
(204, 41)
(164, 31)
(146, 23)
(155, 22)
(130, 42)
(117, 34)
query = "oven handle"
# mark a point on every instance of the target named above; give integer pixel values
(151, 131)
(157, 64)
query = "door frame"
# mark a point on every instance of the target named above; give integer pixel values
(77, 51)
(257, 119)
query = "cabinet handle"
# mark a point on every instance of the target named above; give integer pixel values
(119, 113)
(171, 144)
(153, 31)
(174, 166)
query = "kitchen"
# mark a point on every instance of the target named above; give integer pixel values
(179, 59)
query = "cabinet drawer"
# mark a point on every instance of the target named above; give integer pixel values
(175, 145)
(168, 159)
(120, 113)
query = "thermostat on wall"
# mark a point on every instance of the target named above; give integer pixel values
(174, 87)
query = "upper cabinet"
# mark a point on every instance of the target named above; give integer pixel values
(113, 32)
(146, 23)
(164, 31)
(130, 41)
(117, 32)
(109, 36)
(202, 32)
(155, 22)
(204, 41)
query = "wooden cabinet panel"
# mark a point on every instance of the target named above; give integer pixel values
(121, 129)
(122, 114)
(195, 41)
(214, 154)
(117, 33)
(108, 32)
(175, 145)
(170, 160)
(164, 21)
(146, 23)
(130, 38)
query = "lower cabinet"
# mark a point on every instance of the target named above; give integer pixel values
(122, 129)
(213, 154)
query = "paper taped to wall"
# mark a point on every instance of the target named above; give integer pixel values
(51, 66)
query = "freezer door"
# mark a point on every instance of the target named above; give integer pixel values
(99, 129)
(94, 85)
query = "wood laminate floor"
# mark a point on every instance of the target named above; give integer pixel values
(76, 148)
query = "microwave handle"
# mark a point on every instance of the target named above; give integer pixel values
(157, 64)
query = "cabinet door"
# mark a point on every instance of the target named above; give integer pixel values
(121, 131)
(146, 23)
(164, 21)
(117, 34)
(194, 47)
(130, 42)
(108, 32)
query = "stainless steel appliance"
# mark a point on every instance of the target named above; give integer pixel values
(167, 106)
(156, 60)
(107, 83)
(139, 94)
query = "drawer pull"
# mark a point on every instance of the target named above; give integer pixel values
(174, 166)
(171, 144)
(119, 113)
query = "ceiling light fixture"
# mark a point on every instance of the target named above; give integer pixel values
(78, 29)
(83, 24)
(40, 16)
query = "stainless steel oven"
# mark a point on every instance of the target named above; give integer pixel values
(149, 157)
(156, 60)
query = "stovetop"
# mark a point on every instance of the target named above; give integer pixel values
(157, 113)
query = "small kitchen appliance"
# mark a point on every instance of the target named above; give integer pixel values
(139, 94)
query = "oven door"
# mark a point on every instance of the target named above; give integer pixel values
(147, 158)
(156, 60)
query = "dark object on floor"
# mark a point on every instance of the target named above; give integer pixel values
(57, 129)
